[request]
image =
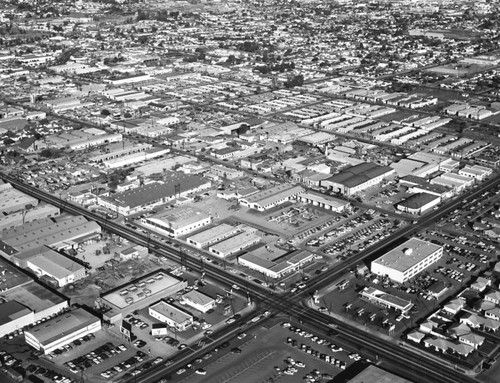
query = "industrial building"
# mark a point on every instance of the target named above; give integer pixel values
(14, 316)
(61, 330)
(234, 244)
(407, 260)
(64, 233)
(21, 217)
(50, 266)
(269, 198)
(418, 203)
(357, 178)
(176, 222)
(213, 235)
(12, 200)
(148, 196)
(323, 201)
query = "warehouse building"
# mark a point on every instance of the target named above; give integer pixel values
(475, 171)
(212, 235)
(61, 330)
(21, 217)
(14, 316)
(407, 260)
(65, 233)
(173, 316)
(323, 201)
(176, 222)
(234, 244)
(418, 203)
(357, 178)
(269, 198)
(49, 265)
(148, 196)
(12, 200)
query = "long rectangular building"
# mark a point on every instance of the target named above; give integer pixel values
(234, 244)
(154, 194)
(269, 198)
(212, 235)
(357, 178)
(12, 200)
(407, 260)
(61, 330)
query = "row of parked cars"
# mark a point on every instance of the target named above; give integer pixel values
(38, 373)
(129, 363)
(94, 357)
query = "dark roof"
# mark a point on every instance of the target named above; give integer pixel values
(358, 174)
(153, 192)
(12, 310)
(416, 201)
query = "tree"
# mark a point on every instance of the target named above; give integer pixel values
(297, 80)
(105, 112)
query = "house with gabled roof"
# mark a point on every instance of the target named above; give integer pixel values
(481, 284)
(454, 306)
(493, 296)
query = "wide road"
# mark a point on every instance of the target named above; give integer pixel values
(399, 357)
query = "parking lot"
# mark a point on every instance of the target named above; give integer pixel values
(270, 355)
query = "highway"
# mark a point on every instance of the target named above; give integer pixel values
(288, 304)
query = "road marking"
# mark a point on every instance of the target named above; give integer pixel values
(246, 368)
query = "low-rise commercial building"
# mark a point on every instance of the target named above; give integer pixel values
(173, 316)
(407, 260)
(276, 267)
(197, 300)
(387, 300)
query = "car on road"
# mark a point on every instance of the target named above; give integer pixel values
(201, 371)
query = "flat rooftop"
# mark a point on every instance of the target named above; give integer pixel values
(176, 314)
(62, 325)
(155, 283)
(214, 232)
(407, 254)
(375, 374)
(12, 277)
(35, 296)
